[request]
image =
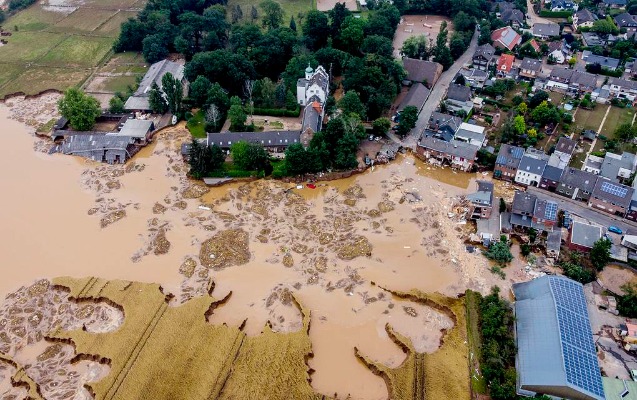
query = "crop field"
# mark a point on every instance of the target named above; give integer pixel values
(440, 375)
(71, 37)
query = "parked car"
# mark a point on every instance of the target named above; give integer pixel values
(615, 229)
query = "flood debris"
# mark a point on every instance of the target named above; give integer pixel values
(227, 248)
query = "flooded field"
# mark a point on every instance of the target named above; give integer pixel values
(337, 249)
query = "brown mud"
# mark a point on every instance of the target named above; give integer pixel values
(263, 241)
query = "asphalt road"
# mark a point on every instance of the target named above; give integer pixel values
(582, 209)
(438, 91)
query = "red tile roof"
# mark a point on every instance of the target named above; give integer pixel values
(505, 62)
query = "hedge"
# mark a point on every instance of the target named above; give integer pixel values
(277, 112)
(500, 105)
(555, 14)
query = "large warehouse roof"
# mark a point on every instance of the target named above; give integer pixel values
(556, 352)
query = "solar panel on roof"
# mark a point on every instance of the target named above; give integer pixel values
(615, 190)
(517, 152)
(578, 350)
(550, 212)
(501, 160)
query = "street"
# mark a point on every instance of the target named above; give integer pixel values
(438, 91)
(583, 210)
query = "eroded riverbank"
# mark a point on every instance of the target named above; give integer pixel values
(332, 247)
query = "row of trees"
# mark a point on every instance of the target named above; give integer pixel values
(584, 269)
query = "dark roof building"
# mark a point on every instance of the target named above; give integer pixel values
(444, 124)
(584, 16)
(546, 30)
(312, 117)
(583, 236)
(483, 56)
(523, 203)
(513, 17)
(426, 72)
(271, 140)
(507, 162)
(99, 147)
(531, 64)
(459, 92)
(611, 196)
(417, 95)
(614, 3)
(556, 353)
(139, 100)
(604, 62)
(552, 173)
(455, 153)
(627, 21)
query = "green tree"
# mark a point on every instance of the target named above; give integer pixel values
(254, 14)
(577, 272)
(626, 132)
(545, 114)
(381, 125)
(237, 115)
(408, 118)
(156, 99)
(338, 15)
(442, 54)
(116, 105)
(627, 304)
(600, 253)
(272, 14)
(463, 22)
(346, 152)
(538, 98)
(198, 91)
(499, 252)
(417, 47)
(503, 205)
(155, 47)
(605, 26)
(80, 109)
(173, 91)
(519, 125)
(376, 44)
(292, 24)
(296, 159)
(457, 45)
(315, 30)
(485, 33)
(351, 103)
(204, 158)
(249, 156)
(352, 35)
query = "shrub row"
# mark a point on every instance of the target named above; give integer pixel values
(277, 112)
(555, 14)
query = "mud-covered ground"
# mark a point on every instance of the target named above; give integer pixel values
(336, 247)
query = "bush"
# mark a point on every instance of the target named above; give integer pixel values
(578, 273)
(20, 4)
(525, 249)
(499, 252)
(277, 112)
(555, 14)
(627, 304)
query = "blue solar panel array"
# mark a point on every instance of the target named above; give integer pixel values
(550, 212)
(578, 349)
(517, 152)
(615, 190)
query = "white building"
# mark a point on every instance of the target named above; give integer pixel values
(314, 87)
(530, 171)
(472, 134)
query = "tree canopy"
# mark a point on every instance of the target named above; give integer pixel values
(79, 108)
(600, 253)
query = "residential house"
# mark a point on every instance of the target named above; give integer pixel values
(544, 215)
(527, 211)
(554, 243)
(563, 5)
(626, 21)
(472, 134)
(611, 197)
(312, 118)
(513, 17)
(459, 98)
(481, 201)
(507, 162)
(417, 95)
(623, 88)
(112, 149)
(556, 52)
(140, 130)
(483, 57)
(444, 126)
(530, 68)
(272, 141)
(564, 149)
(582, 236)
(576, 184)
(601, 95)
(615, 4)
(506, 38)
(505, 65)
(589, 135)
(632, 209)
(534, 44)
(618, 168)
(593, 164)
(474, 77)
(592, 39)
(455, 153)
(425, 72)
(605, 62)
(571, 80)
(584, 18)
(315, 86)
(138, 102)
(545, 31)
(551, 178)
(530, 170)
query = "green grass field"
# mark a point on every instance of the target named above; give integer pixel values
(111, 26)
(616, 117)
(291, 8)
(589, 119)
(197, 125)
(84, 20)
(35, 19)
(78, 51)
(29, 46)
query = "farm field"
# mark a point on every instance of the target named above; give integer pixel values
(55, 45)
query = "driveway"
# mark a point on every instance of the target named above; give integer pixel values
(533, 17)
(438, 91)
(583, 210)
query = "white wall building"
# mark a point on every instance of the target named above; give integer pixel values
(314, 87)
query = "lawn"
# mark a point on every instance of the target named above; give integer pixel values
(78, 51)
(197, 125)
(589, 119)
(84, 20)
(111, 26)
(7, 73)
(35, 19)
(38, 79)
(29, 46)
(616, 117)
(578, 158)
(291, 8)
(478, 383)
(119, 83)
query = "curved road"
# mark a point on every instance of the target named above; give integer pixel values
(438, 91)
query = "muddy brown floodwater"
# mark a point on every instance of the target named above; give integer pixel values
(336, 248)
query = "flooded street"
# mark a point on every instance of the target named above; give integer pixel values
(336, 248)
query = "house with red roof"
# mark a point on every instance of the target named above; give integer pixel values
(505, 65)
(506, 38)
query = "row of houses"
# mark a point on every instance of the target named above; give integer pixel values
(602, 182)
